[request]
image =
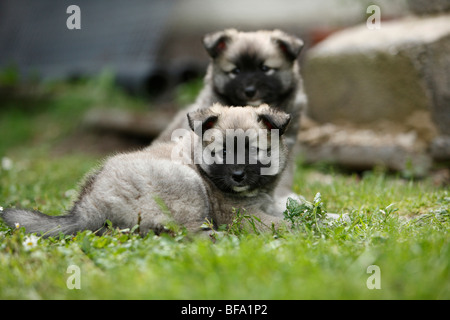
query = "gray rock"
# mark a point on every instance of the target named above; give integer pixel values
(440, 148)
(363, 149)
(361, 76)
(429, 6)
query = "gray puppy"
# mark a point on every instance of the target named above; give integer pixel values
(229, 158)
(247, 69)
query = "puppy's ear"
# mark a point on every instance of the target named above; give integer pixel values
(288, 44)
(217, 42)
(203, 118)
(275, 120)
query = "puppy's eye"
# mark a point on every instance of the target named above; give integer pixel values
(224, 152)
(265, 68)
(267, 152)
(235, 71)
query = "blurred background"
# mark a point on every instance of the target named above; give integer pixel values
(376, 97)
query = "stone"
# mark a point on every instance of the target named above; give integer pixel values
(423, 7)
(146, 125)
(361, 76)
(440, 148)
(364, 149)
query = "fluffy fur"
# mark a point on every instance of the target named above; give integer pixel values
(247, 69)
(149, 188)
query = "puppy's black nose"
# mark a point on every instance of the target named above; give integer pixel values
(238, 175)
(250, 91)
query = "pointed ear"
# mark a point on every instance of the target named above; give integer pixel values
(288, 44)
(217, 42)
(275, 120)
(202, 118)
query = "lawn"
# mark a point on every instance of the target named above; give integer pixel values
(395, 245)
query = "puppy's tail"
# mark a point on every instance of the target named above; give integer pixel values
(37, 222)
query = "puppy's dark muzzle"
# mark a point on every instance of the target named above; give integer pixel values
(250, 91)
(238, 175)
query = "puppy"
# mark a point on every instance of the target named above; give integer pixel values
(247, 69)
(228, 158)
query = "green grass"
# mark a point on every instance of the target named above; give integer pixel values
(399, 225)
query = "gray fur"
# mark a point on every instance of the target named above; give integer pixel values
(149, 189)
(265, 46)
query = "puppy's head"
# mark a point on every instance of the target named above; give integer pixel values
(250, 68)
(243, 151)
